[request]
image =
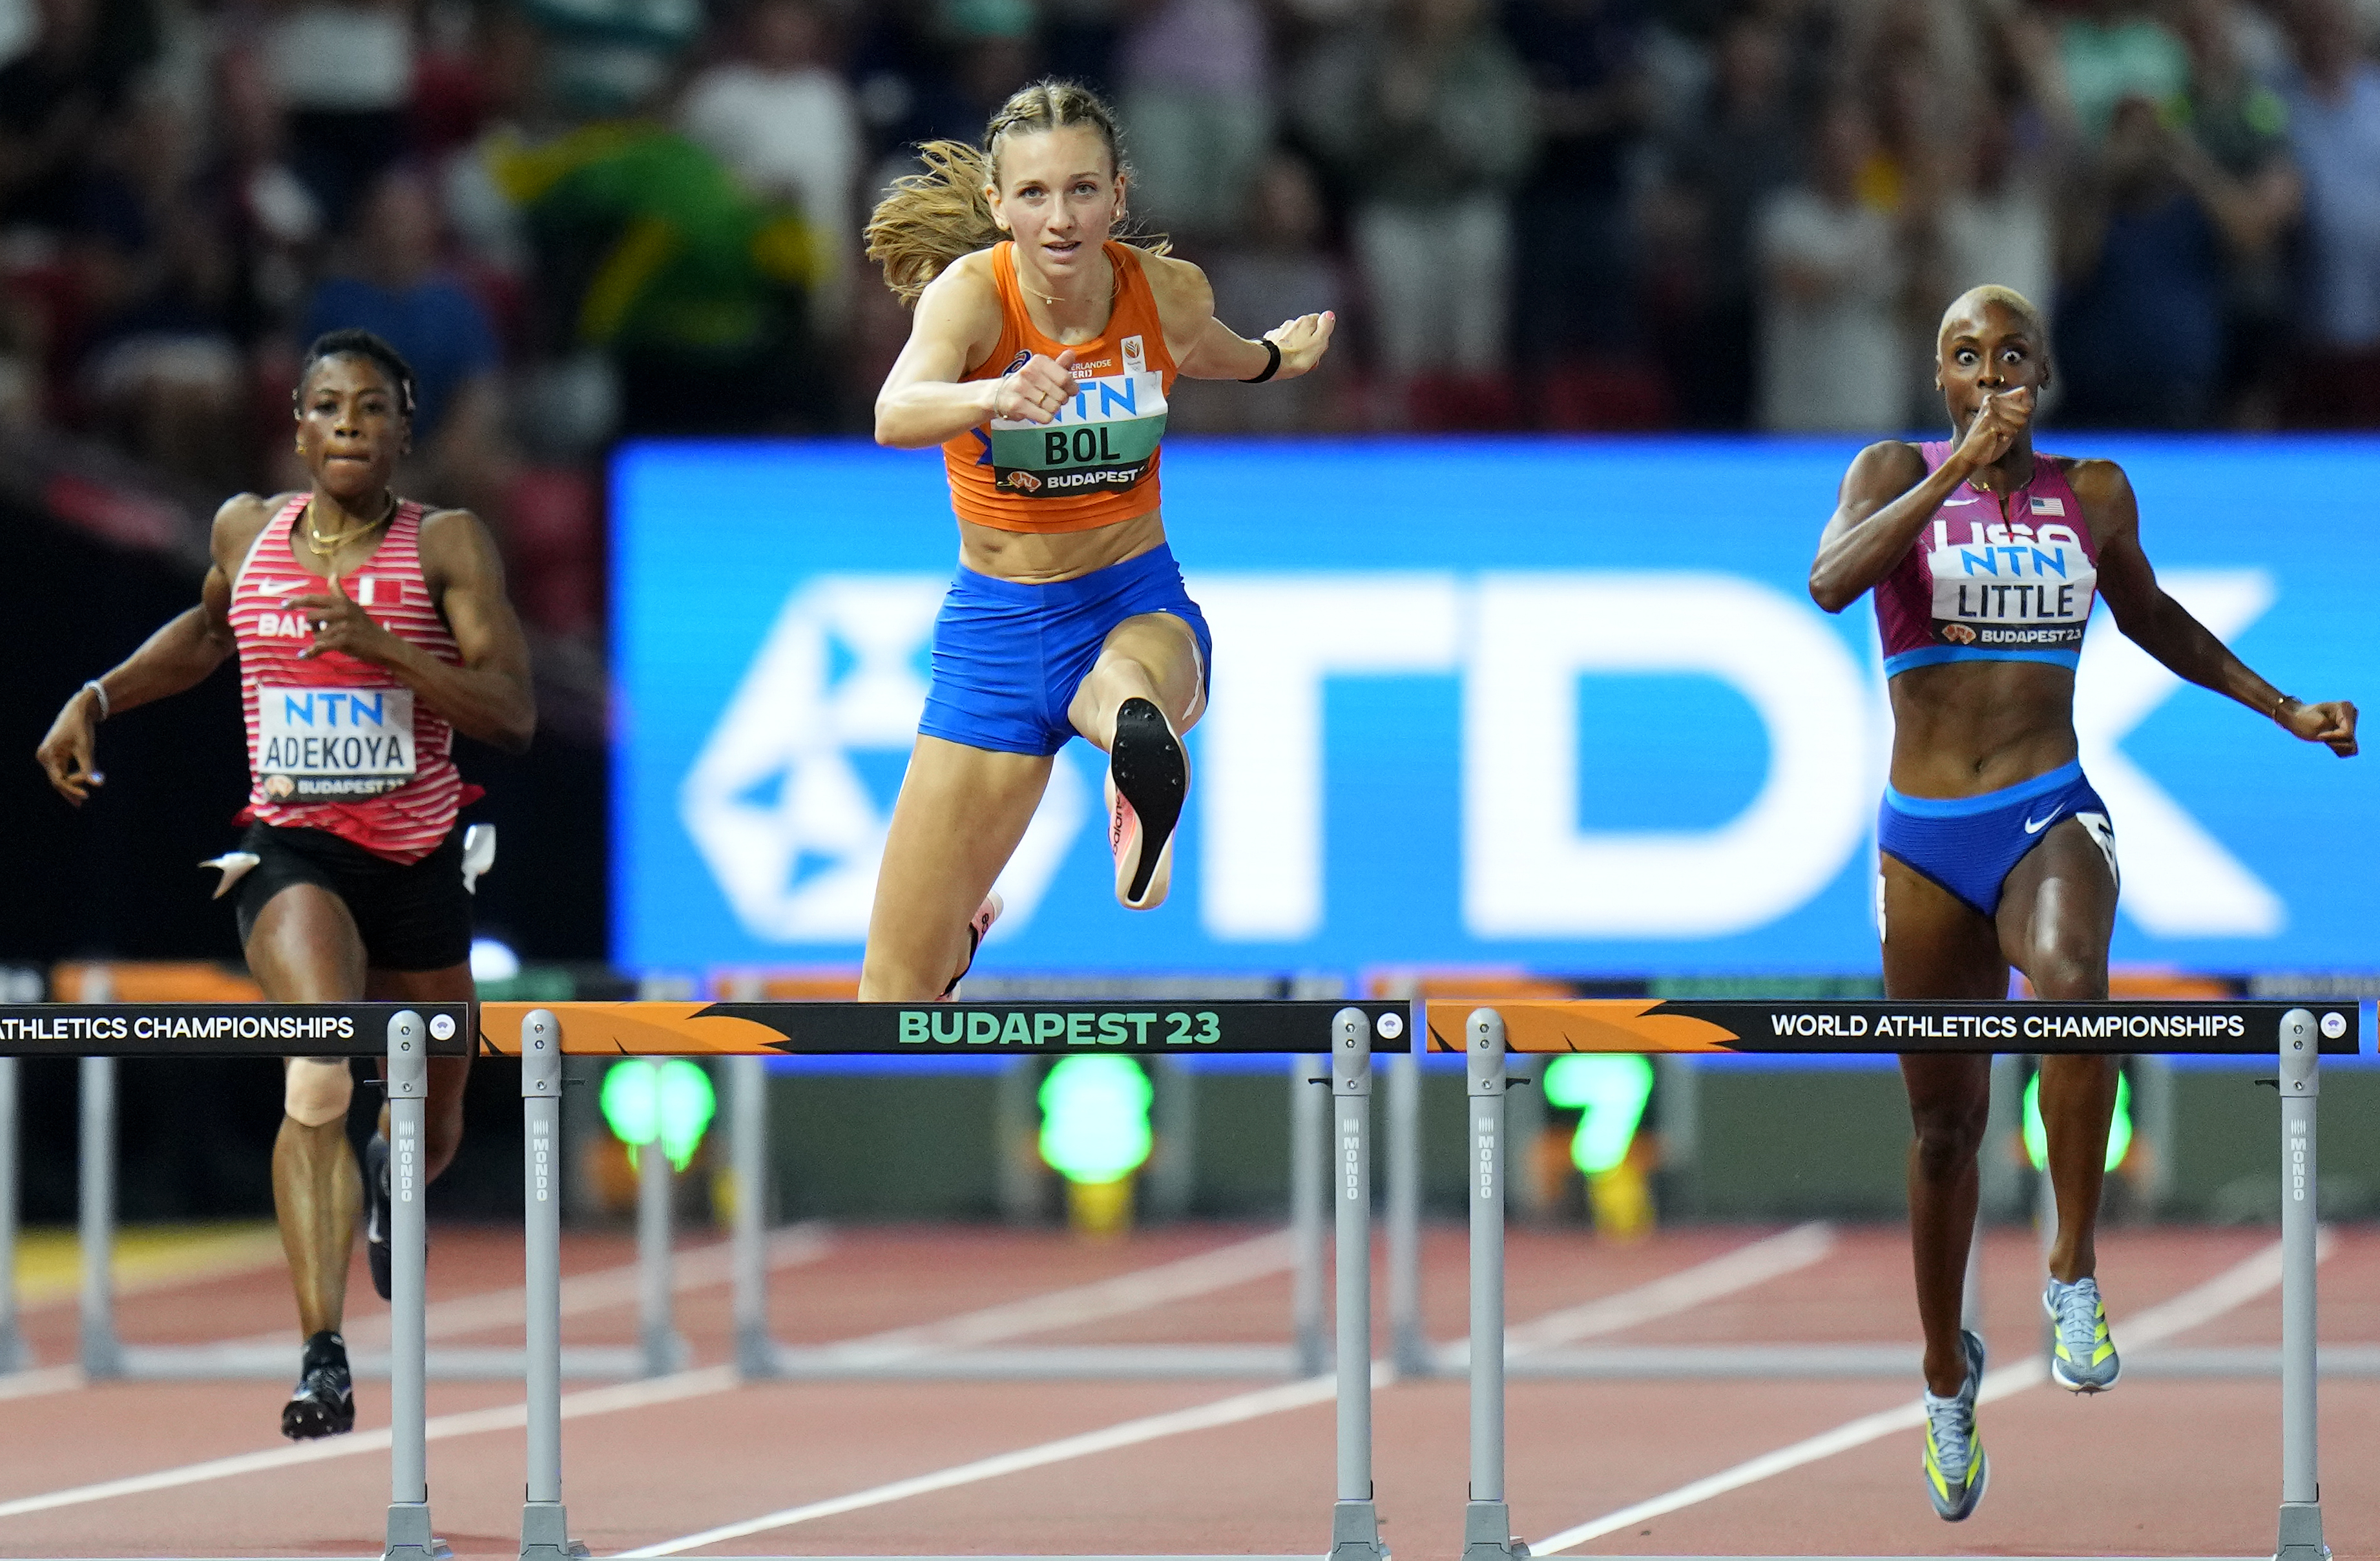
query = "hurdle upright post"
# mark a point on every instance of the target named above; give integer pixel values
(409, 1536)
(656, 1186)
(545, 1524)
(1355, 1520)
(102, 1351)
(12, 1338)
(747, 1084)
(1309, 1128)
(2300, 1085)
(1408, 1334)
(1486, 1519)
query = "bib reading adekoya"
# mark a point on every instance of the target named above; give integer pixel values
(330, 744)
(1101, 440)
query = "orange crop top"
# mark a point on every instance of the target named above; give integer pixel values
(1096, 465)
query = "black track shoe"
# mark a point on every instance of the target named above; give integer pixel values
(377, 1252)
(324, 1403)
(1149, 774)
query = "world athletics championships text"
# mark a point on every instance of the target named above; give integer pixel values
(2014, 1027)
(154, 1026)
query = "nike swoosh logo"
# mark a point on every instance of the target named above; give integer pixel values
(2032, 828)
(1948, 503)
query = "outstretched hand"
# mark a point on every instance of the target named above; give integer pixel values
(2332, 724)
(66, 753)
(1303, 341)
(1033, 392)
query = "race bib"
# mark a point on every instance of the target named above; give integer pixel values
(2021, 587)
(1102, 440)
(329, 744)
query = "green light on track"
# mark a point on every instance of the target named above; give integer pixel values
(1610, 1091)
(2036, 1133)
(1094, 1118)
(671, 1101)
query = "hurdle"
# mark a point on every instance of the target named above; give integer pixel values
(407, 1035)
(2294, 1034)
(102, 1353)
(760, 1356)
(1348, 1032)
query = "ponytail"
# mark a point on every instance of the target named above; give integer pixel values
(930, 220)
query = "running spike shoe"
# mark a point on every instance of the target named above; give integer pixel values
(1149, 774)
(2084, 1360)
(1955, 1468)
(984, 915)
(324, 1402)
(377, 1252)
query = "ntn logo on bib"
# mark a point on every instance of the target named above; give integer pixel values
(1103, 437)
(2009, 584)
(329, 742)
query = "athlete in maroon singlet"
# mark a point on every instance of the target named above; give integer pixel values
(1996, 851)
(369, 631)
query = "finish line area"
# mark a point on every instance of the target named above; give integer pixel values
(702, 1460)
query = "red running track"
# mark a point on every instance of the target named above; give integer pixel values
(2158, 1467)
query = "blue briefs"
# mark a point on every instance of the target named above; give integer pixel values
(1969, 844)
(1008, 656)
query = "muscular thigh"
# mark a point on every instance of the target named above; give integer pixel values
(303, 948)
(1934, 944)
(2058, 911)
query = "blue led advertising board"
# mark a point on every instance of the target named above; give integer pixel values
(1558, 705)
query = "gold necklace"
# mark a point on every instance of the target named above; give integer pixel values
(327, 548)
(1017, 269)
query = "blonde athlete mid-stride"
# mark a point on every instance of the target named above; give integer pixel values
(1985, 558)
(1040, 358)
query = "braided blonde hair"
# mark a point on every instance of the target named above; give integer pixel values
(931, 219)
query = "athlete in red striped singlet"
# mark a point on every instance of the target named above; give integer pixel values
(369, 631)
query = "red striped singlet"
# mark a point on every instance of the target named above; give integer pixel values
(327, 745)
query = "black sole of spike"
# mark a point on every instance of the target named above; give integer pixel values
(1152, 774)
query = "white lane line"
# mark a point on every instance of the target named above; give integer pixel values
(1198, 1417)
(1721, 1276)
(1742, 1269)
(697, 1268)
(1181, 1279)
(2235, 1286)
(502, 1417)
(1193, 1276)
(38, 1380)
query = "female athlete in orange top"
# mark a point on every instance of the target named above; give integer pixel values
(1041, 359)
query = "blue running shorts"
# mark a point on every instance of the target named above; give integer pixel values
(1009, 656)
(1969, 844)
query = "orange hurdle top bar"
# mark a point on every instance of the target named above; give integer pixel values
(940, 1029)
(1646, 1024)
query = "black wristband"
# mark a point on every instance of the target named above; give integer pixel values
(1273, 366)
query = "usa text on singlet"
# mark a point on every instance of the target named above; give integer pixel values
(1988, 580)
(1094, 463)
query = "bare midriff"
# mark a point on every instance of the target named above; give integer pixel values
(1964, 728)
(1045, 557)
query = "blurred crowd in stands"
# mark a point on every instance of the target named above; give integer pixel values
(590, 219)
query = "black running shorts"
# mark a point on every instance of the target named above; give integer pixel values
(413, 917)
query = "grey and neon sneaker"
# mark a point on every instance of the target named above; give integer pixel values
(1955, 1468)
(2084, 1360)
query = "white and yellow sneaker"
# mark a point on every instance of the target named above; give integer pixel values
(2084, 1360)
